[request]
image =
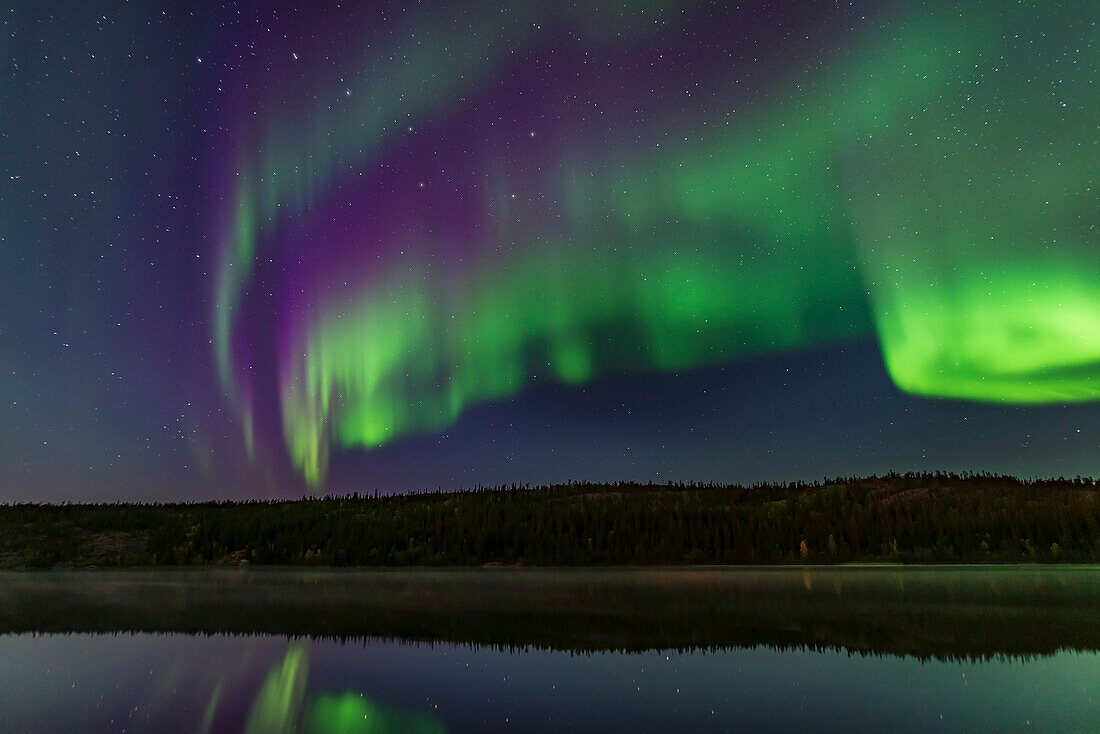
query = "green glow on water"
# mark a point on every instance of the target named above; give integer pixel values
(349, 713)
(282, 707)
(276, 708)
(207, 720)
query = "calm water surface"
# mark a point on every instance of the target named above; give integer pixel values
(783, 650)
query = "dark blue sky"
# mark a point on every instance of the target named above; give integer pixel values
(119, 127)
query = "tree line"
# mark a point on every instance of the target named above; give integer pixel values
(907, 518)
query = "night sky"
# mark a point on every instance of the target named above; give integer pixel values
(261, 249)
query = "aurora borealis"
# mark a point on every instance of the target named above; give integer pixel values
(527, 242)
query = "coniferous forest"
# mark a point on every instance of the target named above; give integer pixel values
(910, 518)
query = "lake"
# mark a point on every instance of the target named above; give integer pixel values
(821, 649)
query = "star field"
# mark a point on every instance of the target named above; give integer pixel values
(253, 249)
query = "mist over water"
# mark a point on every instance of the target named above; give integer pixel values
(858, 649)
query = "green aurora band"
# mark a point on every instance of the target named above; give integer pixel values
(927, 186)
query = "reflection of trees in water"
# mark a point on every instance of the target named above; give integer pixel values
(946, 613)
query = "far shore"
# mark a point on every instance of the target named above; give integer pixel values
(893, 520)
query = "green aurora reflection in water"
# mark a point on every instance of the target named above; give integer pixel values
(283, 707)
